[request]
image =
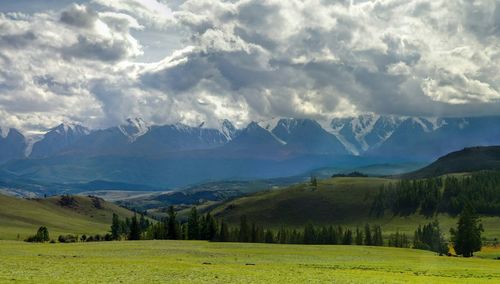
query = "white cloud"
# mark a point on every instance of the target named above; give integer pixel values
(247, 60)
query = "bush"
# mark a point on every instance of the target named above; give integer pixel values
(42, 235)
(68, 238)
(68, 201)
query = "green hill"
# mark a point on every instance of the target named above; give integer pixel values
(467, 160)
(86, 215)
(337, 201)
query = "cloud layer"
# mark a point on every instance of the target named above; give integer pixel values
(247, 60)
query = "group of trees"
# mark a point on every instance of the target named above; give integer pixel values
(430, 237)
(206, 227)
(407, 197)
(434, 195)
(41, 236)
(130, 228)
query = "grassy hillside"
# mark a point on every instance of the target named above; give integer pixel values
(466, 160)
(334, 200)
(203, 262)
(339, 201)
(23, 216)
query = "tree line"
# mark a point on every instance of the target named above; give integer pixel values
(466, 238)
(440, 195)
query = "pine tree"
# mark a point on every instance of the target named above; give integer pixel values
(244, 233)
(359, 237)
(211, 227)
(143, 223)
(309, 234)
(466, 238)
(347, 239)
(42, 235)
(223, 232)
(172, 226)
(193, 225)
(135, 230)
(269, 237)
(116, 227)
(377, 236)
(368, 236)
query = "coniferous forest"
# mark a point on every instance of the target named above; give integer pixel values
(449, 194)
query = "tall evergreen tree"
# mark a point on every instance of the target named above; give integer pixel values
(172, 225)
(42, 235)
(309, 234)
(269, 237)
(347, 239)
(377, 236)
(359, 237)
(193, 225)
(368, 236)
(143, 223)
(466, 238)
(116, 227)
(135, 229)
(244, 233)
(210, 227)
(223, 232)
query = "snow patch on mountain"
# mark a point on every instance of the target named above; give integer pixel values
(31, 139)
(135, 128)
(269, 124)
(227, 129)
(4, 132)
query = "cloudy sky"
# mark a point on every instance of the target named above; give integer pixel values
(99, 62)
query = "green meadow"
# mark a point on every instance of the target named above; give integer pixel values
(205, 262)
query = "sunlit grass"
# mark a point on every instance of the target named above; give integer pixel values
(203, 262)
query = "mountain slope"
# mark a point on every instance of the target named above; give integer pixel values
(87, 216)
(307, 136)
(57, 139)
(466, 160)
(12, 144)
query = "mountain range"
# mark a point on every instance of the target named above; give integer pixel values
(177, 155)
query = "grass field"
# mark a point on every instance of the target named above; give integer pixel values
(203, 262)
(338, 201)
(23, 217)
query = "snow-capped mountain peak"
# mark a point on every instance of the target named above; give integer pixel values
(70, 127)
(4, 132)
(269, 124)
(135, 128)
(227, 129)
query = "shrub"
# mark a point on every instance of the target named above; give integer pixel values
(42, 235)
(68, 238)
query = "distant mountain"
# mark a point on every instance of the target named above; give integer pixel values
(179, 137)
(12, 144)
(364, 132)
(57, 139)
(254, 141)
(307, 136)
(420, 139)
(173, 155)
(466, 160)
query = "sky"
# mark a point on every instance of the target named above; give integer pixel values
(99, 62)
